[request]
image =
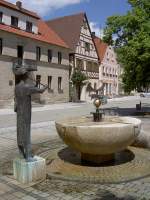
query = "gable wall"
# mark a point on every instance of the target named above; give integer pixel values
(85, 37)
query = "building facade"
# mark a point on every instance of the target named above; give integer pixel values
(109, 68)
(76, 33)
(25, 38)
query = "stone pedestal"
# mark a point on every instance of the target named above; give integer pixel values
(27, 172)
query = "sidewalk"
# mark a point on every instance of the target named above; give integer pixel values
(59, 106)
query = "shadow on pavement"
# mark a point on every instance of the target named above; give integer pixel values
(107, 195)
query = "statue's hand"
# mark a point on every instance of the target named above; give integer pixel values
(43, 89)
(46, 87)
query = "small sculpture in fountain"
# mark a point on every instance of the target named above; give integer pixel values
(97, 116)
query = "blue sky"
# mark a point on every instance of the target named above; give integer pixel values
(97, 10)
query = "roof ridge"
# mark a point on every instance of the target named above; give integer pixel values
(66, 16)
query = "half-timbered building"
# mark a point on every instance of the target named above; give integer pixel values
(76, 33)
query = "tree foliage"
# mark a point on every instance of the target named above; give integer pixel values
(78, 77)
(132, 44)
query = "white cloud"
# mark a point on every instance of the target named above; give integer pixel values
(42, 7)
(96, 28)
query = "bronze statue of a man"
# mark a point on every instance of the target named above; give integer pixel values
(23, 91)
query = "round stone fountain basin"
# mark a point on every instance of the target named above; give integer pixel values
(98, 141)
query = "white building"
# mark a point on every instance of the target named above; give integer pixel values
(24, 36)
(109, 67)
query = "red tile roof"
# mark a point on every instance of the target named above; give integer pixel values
(100, 46)
(22, 10)
(46, 34)
(68, 28)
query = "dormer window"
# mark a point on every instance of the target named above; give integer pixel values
(1, 17)
(29, 26)
(14, 21)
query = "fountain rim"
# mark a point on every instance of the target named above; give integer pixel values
(67, 122)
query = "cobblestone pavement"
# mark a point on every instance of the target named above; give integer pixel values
(59, 189)
(54, 188)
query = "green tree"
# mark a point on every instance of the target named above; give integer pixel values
(78, 78)
(132, 44)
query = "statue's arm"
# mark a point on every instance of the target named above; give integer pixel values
(34, 90)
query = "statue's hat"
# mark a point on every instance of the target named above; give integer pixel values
(23, 69)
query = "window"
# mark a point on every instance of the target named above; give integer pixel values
(1, 46)
(1, 17)
(20, 54)
(38, 53)
(14, 21)
(49, 55)
(79, 64)
(71, 57)
(87, 46)
(29, 26)
(95, 86)
(50, 82)
(95, 67)
(59, 57)
(59, 84)
(89, 66)
(38, 80)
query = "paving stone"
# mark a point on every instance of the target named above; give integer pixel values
(19, 194)
(60, 189)
(28, 198)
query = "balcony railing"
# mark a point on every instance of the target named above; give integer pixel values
(91, 75)
(30, 65)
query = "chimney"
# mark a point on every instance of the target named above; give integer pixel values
(19, 4)
(93, 34)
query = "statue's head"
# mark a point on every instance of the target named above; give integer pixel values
(22, 69)
(19, 71)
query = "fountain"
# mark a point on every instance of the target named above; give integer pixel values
(98, 139)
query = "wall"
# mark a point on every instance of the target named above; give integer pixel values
(7, 13)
